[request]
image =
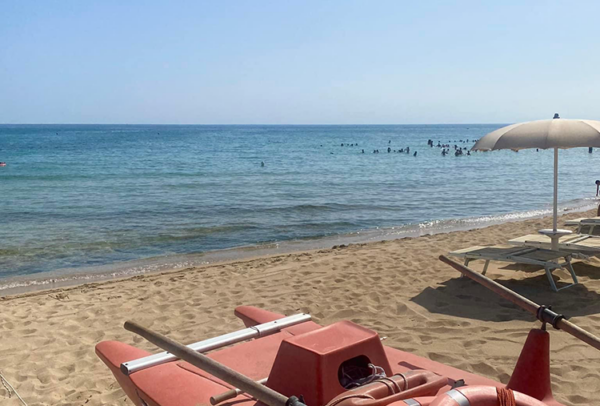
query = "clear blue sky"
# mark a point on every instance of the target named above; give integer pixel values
(298, 62)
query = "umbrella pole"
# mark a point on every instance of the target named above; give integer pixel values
(555, 214)
(554, 220)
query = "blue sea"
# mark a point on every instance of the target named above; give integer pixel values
(79, 201)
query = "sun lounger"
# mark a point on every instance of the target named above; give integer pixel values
(546, 258)
(581, 244)
(590, 225)
(575, 222)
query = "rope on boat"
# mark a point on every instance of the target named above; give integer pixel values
(506, 397)
(385, 379)
(376, 373)
(9, 388)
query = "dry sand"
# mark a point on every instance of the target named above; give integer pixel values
(398, 288)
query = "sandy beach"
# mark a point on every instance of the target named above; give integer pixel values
(398, 288)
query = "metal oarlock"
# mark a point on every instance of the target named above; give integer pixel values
(259, 330)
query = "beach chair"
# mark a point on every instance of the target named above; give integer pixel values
(575, 222)
(579, 245)
(545, 258)
(590, 225)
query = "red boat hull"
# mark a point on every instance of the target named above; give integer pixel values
(181, 384)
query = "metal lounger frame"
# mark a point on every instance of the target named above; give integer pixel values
(518, 257)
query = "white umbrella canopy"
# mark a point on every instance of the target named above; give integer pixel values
(543, 134)
(557, 134)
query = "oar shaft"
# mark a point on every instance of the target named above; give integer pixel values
(506, 293)
(523, 302)
(258, 391)
(580, 333)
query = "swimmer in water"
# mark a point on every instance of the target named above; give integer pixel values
(262, 164)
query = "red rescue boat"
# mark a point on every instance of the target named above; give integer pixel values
(342, 364)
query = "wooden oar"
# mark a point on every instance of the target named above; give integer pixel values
(234, 378)
(542, 313)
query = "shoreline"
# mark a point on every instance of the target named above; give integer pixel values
(398, 288)
(72, 277)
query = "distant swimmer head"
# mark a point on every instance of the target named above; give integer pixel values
(262, 164)
(597, 182)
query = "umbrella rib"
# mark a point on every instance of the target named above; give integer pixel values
(593, 128)
(519, 125)
(516, 125)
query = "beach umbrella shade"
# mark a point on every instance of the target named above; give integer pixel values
(545, 134)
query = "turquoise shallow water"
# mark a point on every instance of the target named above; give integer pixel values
(79, 196)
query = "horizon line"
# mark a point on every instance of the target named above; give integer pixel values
(267, 124)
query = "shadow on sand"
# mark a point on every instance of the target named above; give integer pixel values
(462, 297)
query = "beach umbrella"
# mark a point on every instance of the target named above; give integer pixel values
(544, 134)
